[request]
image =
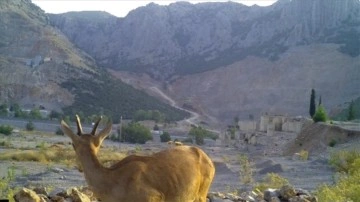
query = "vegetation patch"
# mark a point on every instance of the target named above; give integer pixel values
(6, 129)
(56, 154)
(348, 186)
(110, 97)
(273, 181)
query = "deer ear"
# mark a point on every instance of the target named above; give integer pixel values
(66, 129)
(104, 133)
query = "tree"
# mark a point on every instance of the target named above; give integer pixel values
(198, 133)
(156, 127)
(54, 115)
(35, 113)
(3, 110)
(351, 112)
(320, 115)
(319, 101)
(30, 126)
(312, 103)
(165, 137)
(136, 133)
(157, 116)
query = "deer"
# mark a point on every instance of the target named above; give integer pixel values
(177, 174)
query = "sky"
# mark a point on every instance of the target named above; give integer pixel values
(119, 8)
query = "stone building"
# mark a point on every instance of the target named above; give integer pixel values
(269, 123)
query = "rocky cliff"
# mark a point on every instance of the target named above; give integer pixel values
(227, 59)
(183, 38)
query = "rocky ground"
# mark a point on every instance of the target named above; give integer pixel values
(302, 174)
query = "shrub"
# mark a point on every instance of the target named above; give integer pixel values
(188, 140)
(332, 143)
(59, 131)
(346, 189)
(342, 161)
(320, 115)
(165, 137)
(272, 180)
(30, 126)
(304, 155)
(156, 127)
(200, 133)
(6, 129)
(136, 133)
(246, 173)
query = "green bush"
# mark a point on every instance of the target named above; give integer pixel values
(165, 137)
(136, 133)
(320, 115)
(346, 189)
(200, 133)
(343, 161)
(332, 143)
(6, 129)
(30, 126)
(59, 131)
(271, 180)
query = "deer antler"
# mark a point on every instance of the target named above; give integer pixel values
(78, 123)
(95, 126)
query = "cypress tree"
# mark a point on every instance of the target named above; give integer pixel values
(351, 113)
(312, 103)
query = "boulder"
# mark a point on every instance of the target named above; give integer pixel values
(27, 195)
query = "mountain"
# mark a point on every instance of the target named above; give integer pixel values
(183, 38)
(41, 67)
(228, 59)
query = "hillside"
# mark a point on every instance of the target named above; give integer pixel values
(227, 59)
(41, 67)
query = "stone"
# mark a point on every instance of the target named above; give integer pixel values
(57, 192)
(270, 193)
(300, 191)
(57, 170)
(287, 192)
(77, 196)
(40, 190)
(298, 199)
(274, 199)
(26, 195)
(57, 198)
(44, 198)
(277, 168)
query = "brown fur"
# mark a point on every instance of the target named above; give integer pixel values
(178, 174)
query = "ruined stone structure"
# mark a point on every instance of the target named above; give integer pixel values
(270, 123)
(253, 132)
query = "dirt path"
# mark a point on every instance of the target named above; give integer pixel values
(194, 119)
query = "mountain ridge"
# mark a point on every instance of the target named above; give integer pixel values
(205, 36)
(187, 47)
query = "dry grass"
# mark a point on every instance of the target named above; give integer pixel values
(57, 154)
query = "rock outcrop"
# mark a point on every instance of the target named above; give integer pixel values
(285, 194)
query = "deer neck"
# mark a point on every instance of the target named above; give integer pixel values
(95, 173)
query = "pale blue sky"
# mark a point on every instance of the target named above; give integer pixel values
(118, 8)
